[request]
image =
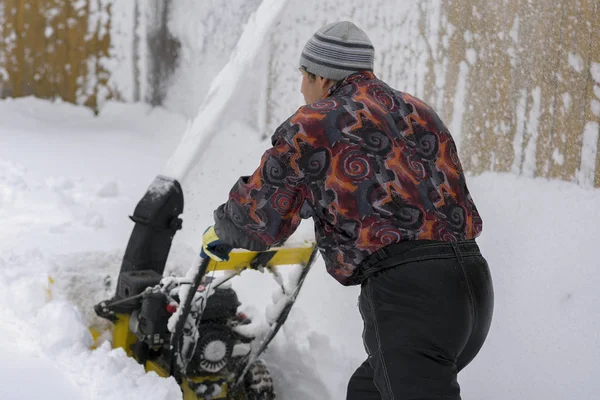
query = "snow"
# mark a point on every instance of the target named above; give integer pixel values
(576, 62)
(160, 186)
(529, 163)
(589, 153)
(519, 137)
(121, 60)
(595, 70)
(434, 11)
(595, 106)
(184, 292)
(47, 341)
(71, 156)
(566, 98)
(23, 366)
(558, 157)
(109, 189)
(456, 126)
(471, 56)
(402, 57)
(223, 89)
(208, 32)
(55, 160)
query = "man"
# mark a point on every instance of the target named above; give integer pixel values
(379, 173)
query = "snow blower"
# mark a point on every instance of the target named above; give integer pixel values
(189, 327)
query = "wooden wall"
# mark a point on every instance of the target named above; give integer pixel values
(53, 49)
(86, 51)
(533, 105)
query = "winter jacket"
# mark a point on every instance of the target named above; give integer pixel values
(371, 165)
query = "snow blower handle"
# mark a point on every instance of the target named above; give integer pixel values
(280, 320)
(213, 247)
(184, 309)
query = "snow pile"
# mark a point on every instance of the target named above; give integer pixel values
(539, 238)
(76, 171)
(45, 338)
(61, 170)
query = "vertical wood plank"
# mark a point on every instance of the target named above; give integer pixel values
(19, 51)
(46, 50)
(474, 120)
(38, 32)
(458, 17)
(570, 98)
(546, 60)
(594, 84)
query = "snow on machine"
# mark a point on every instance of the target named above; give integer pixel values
(189, 327)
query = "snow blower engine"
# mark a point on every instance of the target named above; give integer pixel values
(189, 327)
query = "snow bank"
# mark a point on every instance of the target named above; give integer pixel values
(81, 174)
(539, 237)
(46, 339)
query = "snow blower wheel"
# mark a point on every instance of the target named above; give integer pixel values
(258, 384)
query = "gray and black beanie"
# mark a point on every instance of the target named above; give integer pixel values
(338, 50)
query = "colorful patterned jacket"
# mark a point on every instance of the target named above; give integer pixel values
(371, 165)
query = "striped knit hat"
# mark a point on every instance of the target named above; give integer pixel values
(338, 50)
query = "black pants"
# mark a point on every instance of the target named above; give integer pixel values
(424, 321)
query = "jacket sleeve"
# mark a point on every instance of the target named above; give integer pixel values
(264, 209)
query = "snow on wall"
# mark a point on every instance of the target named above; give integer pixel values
(208, 32)
(122, 61)
(589, 154)
(122, 71)
(223, 95)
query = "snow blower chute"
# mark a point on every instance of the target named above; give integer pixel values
(190, 327)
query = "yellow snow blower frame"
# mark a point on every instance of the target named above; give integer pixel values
(190, 328)
(124, 337)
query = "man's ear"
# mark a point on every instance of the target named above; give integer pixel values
(324, 82)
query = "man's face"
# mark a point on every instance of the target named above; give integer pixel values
(312, 89)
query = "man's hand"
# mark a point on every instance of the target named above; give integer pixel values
(213, 247)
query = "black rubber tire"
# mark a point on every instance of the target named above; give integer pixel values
(258, 384)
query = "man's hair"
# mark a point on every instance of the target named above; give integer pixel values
(312, 76)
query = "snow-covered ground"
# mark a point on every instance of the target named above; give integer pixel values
(68, 181)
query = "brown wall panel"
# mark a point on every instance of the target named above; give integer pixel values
(592, 111)
(570, 98)
(51, 49)
(530, 90)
